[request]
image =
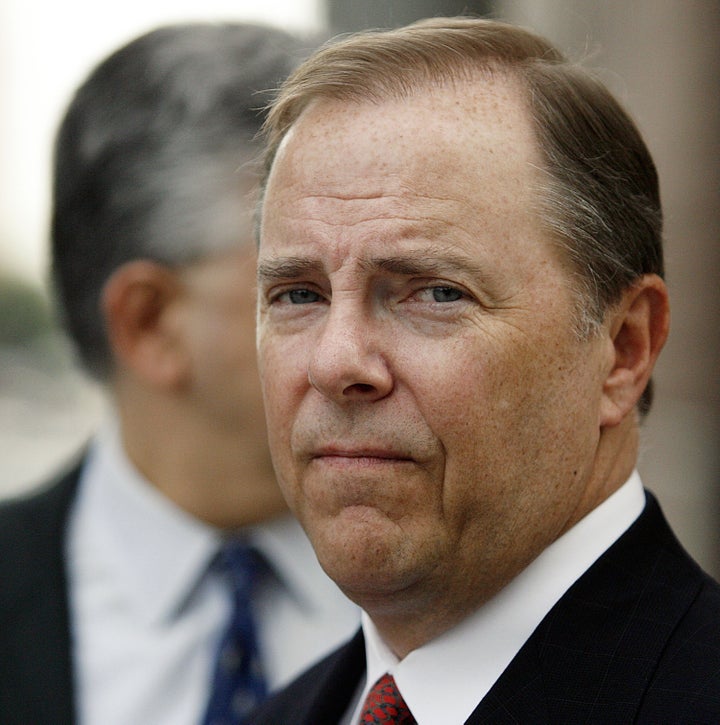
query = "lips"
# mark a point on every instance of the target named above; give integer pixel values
(358, 455)
(323, 434)
(358, 452)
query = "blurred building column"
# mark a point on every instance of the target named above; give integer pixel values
(349, 15)
(662, 58)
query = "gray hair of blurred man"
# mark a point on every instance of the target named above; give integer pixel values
(600, 200)
(155, 159)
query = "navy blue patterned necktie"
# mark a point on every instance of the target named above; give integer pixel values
(238, 685)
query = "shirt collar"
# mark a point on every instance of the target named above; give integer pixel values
(283, 543)
(465, 662)
(157, 551)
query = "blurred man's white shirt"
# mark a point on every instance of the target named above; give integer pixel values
(146, 616)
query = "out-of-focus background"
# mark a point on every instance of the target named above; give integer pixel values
(661, 57)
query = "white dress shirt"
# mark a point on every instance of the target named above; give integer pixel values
(444, 680)
(146, 616)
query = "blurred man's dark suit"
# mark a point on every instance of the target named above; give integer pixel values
(35, 645)
(628, 643)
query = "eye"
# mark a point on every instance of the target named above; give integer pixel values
(440, 293)
(299, 296)
(445, 294)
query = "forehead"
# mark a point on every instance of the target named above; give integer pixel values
(461, 155)
(462, 120)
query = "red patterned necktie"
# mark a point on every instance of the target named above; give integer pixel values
(384, 704)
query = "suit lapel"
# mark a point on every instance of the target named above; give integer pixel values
(592, 657)
(335, 688)
(36, 677)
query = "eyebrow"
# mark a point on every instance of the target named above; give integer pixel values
(274, 270)
(432, 262)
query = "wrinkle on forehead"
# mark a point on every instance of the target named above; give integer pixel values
(459, 158)
(459, 114)
(435, 213)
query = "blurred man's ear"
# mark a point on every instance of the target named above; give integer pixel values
(139, 304)
(638, 328)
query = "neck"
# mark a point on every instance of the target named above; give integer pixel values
(217, 473)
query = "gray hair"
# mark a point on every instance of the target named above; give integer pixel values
(155, 159)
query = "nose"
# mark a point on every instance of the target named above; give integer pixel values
(347, 364)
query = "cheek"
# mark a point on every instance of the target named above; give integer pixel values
(492, 407)
(282, 387)
(464, 390)
(280, 369)
(226, 361)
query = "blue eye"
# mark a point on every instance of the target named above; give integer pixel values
(446, 294)
(302, 296)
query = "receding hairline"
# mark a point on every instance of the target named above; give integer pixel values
(379, 65)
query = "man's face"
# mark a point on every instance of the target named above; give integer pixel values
(218, 311)
(432, 418)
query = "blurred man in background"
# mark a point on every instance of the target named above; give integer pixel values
(130, 584)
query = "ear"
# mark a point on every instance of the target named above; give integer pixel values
(138, 304)
(638, 328)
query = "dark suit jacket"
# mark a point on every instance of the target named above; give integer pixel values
(36, 681)
(635, 640)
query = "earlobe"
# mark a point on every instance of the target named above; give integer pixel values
(638, 328)
(138, 302)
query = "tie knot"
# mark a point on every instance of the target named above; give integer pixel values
(385, 704)
(242, 565)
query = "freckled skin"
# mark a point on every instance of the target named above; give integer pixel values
(433, 420)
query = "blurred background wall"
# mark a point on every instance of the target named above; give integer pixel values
(661, 57)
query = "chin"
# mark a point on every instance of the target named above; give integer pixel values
(365, 553)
